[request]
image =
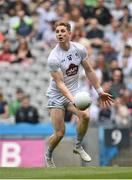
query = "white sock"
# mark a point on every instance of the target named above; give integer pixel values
(49, 152)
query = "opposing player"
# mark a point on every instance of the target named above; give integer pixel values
(63, 63)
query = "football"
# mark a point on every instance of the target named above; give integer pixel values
(82, 100)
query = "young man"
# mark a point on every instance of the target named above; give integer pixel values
(63, 63)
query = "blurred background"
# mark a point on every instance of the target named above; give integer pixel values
(26, 39)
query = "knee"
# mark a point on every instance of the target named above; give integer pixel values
(85, 116)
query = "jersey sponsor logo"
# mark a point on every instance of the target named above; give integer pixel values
(72, 70)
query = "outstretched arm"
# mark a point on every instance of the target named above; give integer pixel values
(106, 98)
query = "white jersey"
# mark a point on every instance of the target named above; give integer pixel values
(68, 62)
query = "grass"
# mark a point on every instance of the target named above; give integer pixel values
(67, 173)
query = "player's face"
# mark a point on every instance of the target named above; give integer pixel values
(62, 34)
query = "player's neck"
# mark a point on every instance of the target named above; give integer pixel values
(65, 46)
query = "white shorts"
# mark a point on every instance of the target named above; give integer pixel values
(57, 103)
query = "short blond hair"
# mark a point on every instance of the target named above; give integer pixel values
(63, 23)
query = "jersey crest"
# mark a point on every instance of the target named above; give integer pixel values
(72, 70)
(69, 57)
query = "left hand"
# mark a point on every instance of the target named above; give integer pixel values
(106, 99)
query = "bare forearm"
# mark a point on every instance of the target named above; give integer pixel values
(64, 90)
(91, 75)
(93, 79)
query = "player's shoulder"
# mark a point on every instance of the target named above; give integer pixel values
(77, 45)
(80, 49)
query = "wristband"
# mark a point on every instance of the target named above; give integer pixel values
(100, 90)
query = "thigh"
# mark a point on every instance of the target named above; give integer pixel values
(57, 117)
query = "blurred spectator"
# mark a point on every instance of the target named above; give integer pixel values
(114, 35)
(125, 61)
(105, 115)
(130, 7)
(101, 62)
(85, 42)
(14, 105)
(127, 99)
(15, 6)
(97, 70)
(23, 25)
(99, 114)
(125, 40)
(125, 18)
(108, 71)
(27, 113)
(4, 110)
(86, 10)
(117, 83)
(33, 4)
(76, 18)
(95, 33)
(49, 36)
(102, 13)
(109, 52)
(45, 14)
(77, 34)
(60, 9)
(3, 8)
(117, 11)
(2, 37)
(70, 4)
(122, 114)
(6, 55)
(23, 54)
(91, 2)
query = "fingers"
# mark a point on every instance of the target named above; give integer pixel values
(107, 97)
(106, 100)
(110, 98)
(110, 102)
(106, 103)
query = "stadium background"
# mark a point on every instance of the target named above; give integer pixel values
(108, 41)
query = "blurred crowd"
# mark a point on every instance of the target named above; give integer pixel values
(103, 27)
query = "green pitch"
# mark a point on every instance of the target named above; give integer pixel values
(67, 173)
